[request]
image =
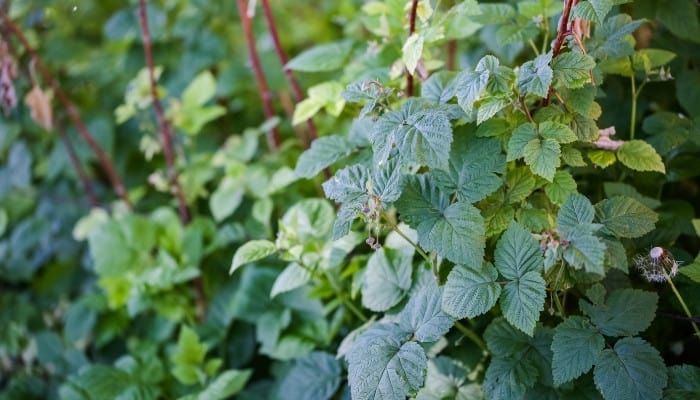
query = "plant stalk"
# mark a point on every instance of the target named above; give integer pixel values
(411, 30)
(562, 31)
(682, 302)
(471, 335)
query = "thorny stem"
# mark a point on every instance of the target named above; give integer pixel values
(471, 335)
(273, 139)
(680, 300)
(71, 110)
(562, 31)
(411, 30)
(166, 136)
(293, 82)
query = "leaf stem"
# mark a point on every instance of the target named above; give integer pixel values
(411, 30)
(471, 335)
(633, 116)
(71, 110)
(293, 82)
(682, 302)
(273, 139)
(557, 303)
(396, 229)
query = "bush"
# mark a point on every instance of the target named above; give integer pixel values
(469, 200)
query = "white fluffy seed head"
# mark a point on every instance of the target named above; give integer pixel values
(656, 252)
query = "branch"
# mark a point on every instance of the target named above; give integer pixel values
(75, 161)
(296, 88)
(273, 139)
(71, 110)
(562, 31)
(411, 30)
(166, 135)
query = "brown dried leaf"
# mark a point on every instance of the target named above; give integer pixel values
(39, 103)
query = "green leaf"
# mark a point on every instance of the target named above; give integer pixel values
(470, 291)
(561, 187)
(593, 10)
(382, 365)
(323, 152)
(585, 251)
(572, 69)
(557, 131)
(422, 134)
(633, 369)
(441, 225)
(518, 253)
(469, 85)
(100, 382)
(575, 347)
(522, 301)
(226, 198)
(423, 315)
(306, 109)
(681, 19)
(626, 217)
(293, 277)
(683, 382)
(251, 251)
(447, 378)
(522, 135)
(543, 157)
(315, 376)
(188, 357)
(640, 156)
(602, 158)
(387, 279)
(349, 187)
(227, 384)
(625, 313)
(535, 76)
(412, 50)
(471, 175)
(326, 57)
(577, 212)
(200, 90)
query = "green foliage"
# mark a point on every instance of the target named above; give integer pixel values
(484, 233)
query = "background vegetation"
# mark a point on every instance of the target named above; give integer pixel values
(511, 231)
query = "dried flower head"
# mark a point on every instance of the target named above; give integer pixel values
(8, 72)
(657, 264)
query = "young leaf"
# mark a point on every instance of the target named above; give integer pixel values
(522, 135)
(557, 131)
(543, 157)
(535, 76)
(293, 277)
(412, 50)
(441, 225)
(382, 365)
(227, 384)
(326, 57)
(470, 84)
(575, 347)
(313, 377)
(251, 251)
(421, 133)
(386, 280)
(561, 187)
(324, 151)
(625, 313)
(585, 251)
(423, 315)
(471, 175)
(640, 156)
(572, 69)
(349, 187)
(633, 369)
(626, 217)
(470, 291)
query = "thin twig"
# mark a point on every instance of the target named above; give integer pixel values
(166, 136)
(411, 30)
(273, 139)
(75, 161)
(451, 63)
(562, 31)
(293, 82)
(71, 110)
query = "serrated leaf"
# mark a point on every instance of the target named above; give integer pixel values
(382, 365)
(520, 182)
(561, 187)
(388, 182)
(577, 211)
(522, 135)
(625, 313)
(535, 76)
(455, 231)
(572, 69)
(420, 133)
(602, 158)
(315, 376)
(412, 50)
(470, 291)
(471, 175)
(323, 152)
(508, 378)
(523, 300)
(585, 251)
(557, 131)
(593, 10)
(469, 85)
(626, 217)
(292, 277)
(423, 315)
(633, 369)
(640, 156)
(575, 347)
(683, 382)
(225, 385)
(543, 157)
(349, 187)
(518, 253)
(325, 57)
(387, 279)
(251, 251)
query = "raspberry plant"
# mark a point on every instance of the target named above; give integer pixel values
(439, 200)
